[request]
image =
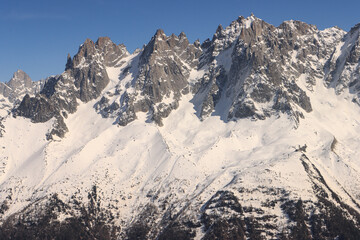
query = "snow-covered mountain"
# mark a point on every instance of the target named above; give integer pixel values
(250, 135)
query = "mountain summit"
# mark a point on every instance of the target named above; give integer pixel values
(251, 134)
(19, 85)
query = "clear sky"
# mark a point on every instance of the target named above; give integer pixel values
(37, 35)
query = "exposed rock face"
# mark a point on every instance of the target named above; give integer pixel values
(165, 66)
(88, 66)
(36, 104)
(160, 77)
(260, 65)
(209, 90)
(84, 78)
(343, 69)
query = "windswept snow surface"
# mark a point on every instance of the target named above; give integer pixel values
(186, 160)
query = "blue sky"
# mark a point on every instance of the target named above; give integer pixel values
(37, 35)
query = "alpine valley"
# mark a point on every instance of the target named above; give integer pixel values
(254, 134)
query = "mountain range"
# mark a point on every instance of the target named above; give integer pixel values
(252, 134)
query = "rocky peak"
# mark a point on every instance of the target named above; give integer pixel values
(85, 77)
(355, 29)
(20, 78)
(296, 28)
(104, 51)
(219, 31)
(69, 63)
(159, 42)
(163, 70)
(159, 33)
(256, 57)
(19, 85)
(253, 29)
(197, 43)
(109, 51)
(103, 42)
(247, 29)
(182, 35)
(88, 66)
(86, 50)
